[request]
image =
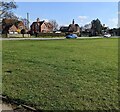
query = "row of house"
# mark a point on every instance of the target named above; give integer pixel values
(15, 26)
(45, 27)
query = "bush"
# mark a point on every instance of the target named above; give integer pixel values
(23, 31)
(51, 34)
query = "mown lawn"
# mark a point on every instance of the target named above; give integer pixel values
(62, 74)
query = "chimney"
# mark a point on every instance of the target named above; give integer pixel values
(73, 21)
(38, 20)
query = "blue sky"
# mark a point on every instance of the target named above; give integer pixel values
(64, 12)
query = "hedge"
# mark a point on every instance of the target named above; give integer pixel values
(51, 34)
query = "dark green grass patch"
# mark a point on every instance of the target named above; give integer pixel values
(62, 74)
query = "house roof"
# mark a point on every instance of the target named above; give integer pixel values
(41, 22)
(48, 24)
(73, 27)
(64, 29)
(11, 22)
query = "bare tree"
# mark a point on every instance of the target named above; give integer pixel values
(6, 9)
(55, 24)
(25, 21)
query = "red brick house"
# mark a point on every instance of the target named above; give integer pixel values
(71, 28)
(46, 27)
(12, 25)
(74, 27)
(20, 25)
(41, 27)
(13, 29)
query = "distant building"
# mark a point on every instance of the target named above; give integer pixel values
(115, 31)
(71, 28)
(74, 27)
(41, 27)
(64, 29)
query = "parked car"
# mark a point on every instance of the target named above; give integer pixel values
(107, 35)
(58, 32)
(72, 36)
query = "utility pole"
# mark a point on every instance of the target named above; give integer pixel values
(28, 22)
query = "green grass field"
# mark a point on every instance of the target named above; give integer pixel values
(62, 74)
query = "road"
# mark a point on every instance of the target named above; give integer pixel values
(58, 38)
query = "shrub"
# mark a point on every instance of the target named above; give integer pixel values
(51, 34)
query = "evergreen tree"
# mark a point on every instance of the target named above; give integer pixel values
(96, 27)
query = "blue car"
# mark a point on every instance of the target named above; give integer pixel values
(71, 36)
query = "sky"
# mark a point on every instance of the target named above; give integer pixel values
(64, 12)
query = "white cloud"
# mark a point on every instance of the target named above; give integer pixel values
(82, 18)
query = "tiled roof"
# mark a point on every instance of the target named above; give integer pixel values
(41, 22)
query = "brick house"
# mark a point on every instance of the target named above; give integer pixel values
(74, 27)
(41, 27)
(12, 29)
(20, 25)
(71, 28)
(46, 27)
(12, 25)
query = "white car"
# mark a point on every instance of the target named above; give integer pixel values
(58, 32)
(107, 35)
